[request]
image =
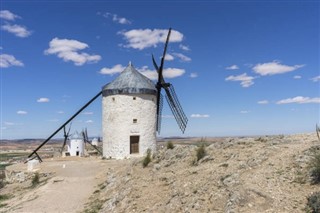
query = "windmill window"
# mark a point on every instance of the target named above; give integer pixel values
(134, 98)
(113, 99)
(135, 120)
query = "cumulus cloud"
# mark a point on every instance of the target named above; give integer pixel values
(144, 38)
(113, 70)
(22, 112)
(193, 75)
(200, 116)
(167, 73)
(299, 100)
(182, 57)
(316, 79)
(168, 57)
(9, 60)
(245, 80)
(263, 102)
(17, 30)
(232, 67)
(43, 100)
(184, 47)
(297, 77)
(68, 50)
(89, 121)
(7, 15)
(273, 68)
(60, 112)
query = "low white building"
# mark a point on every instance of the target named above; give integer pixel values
(76, 145)
(129, 105)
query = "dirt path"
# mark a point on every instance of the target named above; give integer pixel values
(68, 190)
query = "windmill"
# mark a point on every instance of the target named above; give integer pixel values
(171, 95)
(130, 101)
(87, 141)
(66, 136)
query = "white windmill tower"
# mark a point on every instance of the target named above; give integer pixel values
(129, 105)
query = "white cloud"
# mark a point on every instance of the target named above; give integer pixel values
(17, 30)
(113, 70)
(297, 77)
(116, 18)
(273, 68)
(21, 112)
(246, 81)
(200, 116)
(232, 67)
(193, 75)
(43, 100)
(9, 60)
(316, 79)
(7, 15)
(144, 38)
(89, 121)
(263, 102)
(167, 73)
(299, 100)
(244, 112)
(68, 50)
(168, 57)
(182, 57)
(60, 112)
(87, 113)
(184, 47)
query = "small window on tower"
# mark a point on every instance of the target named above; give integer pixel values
(135, 120)
(113, 99)
(134, 98)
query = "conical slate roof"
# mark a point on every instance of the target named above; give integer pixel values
(130, 81)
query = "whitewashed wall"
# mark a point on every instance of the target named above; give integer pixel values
(118, 112)
(75, 145)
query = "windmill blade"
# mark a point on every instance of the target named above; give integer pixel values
(66, 135)
(155, 64)
(159, 116)
(175, 97)
(164, 54)
(86, 135)
(176, 108)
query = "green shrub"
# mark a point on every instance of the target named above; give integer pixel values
(315, 168)
(313, 204)
(35, 180)
(201, 152)
(170, 145)
(147, 159)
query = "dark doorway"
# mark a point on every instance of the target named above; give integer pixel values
(134, 144)
(77, 153)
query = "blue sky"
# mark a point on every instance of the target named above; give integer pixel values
(239, 68)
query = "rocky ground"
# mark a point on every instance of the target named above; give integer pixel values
(261, 174)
